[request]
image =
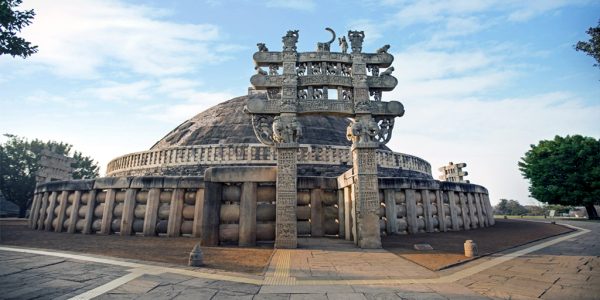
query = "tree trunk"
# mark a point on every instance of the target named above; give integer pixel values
(591, 212)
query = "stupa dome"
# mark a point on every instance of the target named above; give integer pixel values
(226, 123)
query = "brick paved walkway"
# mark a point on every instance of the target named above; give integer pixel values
(567, 268)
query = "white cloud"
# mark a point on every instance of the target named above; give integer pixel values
(122, 92)
(83, 38)
(176, 113)
(490, 135)
(307, 5)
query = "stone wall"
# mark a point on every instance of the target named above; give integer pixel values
(237, 206)
(194, 160)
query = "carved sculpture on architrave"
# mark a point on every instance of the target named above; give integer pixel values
(286, 130)
(262, 125)
(290, 40)
(356, 40)
(363, 131)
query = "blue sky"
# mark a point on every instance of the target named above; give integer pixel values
(480, 80)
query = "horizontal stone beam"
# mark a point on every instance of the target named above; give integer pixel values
(264, 59)
(241, 174)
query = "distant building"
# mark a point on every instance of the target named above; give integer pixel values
(53, 167)
(453, 172)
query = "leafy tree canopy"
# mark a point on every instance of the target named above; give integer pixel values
(19, 163)
(592, 46)
(11, 23)
(510, 207)
(564, 171)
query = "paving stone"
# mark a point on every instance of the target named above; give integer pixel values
(136, 286)
(197, 282)
(163, 292)
(346, 296)
(235, 287)
(304, 289)
(271, 296)
(382, 296)
(420, 296)
(228, 295)
(193, 293)
(308, 297)
(560, 292)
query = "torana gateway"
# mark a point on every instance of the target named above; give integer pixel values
(303, 154)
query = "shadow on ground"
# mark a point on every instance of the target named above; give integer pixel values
(448, 247)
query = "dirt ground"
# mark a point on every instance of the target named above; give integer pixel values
(158, 249)
(448, 248)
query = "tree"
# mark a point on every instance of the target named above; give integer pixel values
(591, 47)
(509, 207)
(19, 164)
(11, 23)
(564, 171)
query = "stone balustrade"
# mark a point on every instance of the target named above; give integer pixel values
(236, 205)
(252, 154)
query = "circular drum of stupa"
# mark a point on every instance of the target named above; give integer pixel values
(223, 136)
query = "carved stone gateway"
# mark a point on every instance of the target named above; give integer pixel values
(303, 87)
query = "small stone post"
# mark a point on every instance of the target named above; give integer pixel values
(196, 257)
(471, 249)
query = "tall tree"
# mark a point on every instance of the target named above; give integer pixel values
(19, 159)
(11, 23)
(592, 46)
(564, 171)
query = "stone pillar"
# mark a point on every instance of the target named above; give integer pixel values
(35, 210)
(175, 214)
(286, 232)
(427, 210)
(348, 207)
(441, 214)
(341, 214)
(211, 213)
(197, 227)
(465, 214)
(50, 213)
(107, 215)
(411, 211)
(316, 213)
(453, 208)
(151, 214)
(89, 214)
(490, 209)
(478, 207)
(472, 210)
(366, 193)
(390, 211)
(247, 226)
(74, 212)
(42, 214)
(128, 210)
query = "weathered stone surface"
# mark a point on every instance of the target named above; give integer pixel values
(240, 174)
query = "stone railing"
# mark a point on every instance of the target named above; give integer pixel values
(236, 205)
(253, 154)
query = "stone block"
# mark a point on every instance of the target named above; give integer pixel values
(112, 183)
(147, 182)
(191, 182)
(241, 174)
(171, 182)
